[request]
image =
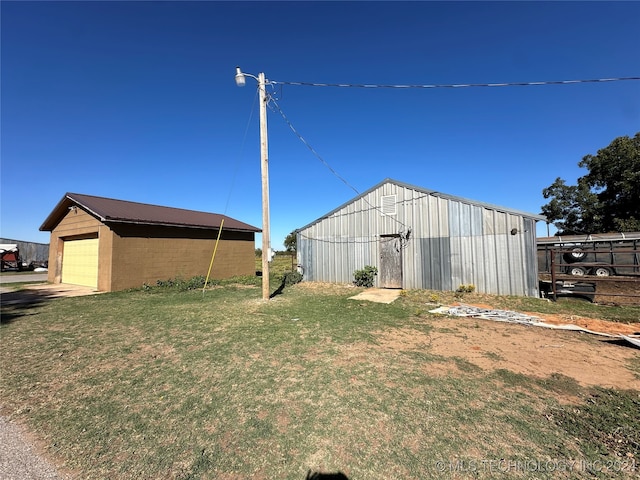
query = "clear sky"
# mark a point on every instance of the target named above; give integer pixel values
(137, 101)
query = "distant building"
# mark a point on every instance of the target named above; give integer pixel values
(111, 244)
(422, 239)
(31, 253)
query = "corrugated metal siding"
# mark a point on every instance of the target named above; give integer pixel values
(451, 243)
(30, 251)
(531, 260)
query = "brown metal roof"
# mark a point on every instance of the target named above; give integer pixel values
(109, 210)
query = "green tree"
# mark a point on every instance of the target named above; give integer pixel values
(290, 242)
(606, 199)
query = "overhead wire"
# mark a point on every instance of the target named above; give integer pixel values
(241, 154)
(274, 105)
(456, 85)
(343, 240)
(405, 234)
(231, 186)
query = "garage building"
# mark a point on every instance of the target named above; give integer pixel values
(422, 239)
(111, 245)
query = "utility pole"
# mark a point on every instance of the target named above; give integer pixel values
(264, 168)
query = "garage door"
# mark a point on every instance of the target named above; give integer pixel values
(80, 262)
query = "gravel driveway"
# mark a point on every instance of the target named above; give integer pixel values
(19, 459)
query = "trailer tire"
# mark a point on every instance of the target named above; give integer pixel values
(601, 272)
(574, 255)
(577, 271)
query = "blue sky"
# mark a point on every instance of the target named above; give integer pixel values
(137, 101)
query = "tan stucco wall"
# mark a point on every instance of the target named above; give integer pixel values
(130, 256)
(105, 259)
(137, 261)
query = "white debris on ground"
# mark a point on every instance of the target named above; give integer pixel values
(508, 316)
(487, 314)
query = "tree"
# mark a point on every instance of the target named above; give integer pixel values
(607, 199)
(290, 242)
(572, 208)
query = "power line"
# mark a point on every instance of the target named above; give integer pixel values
(274, 103)
(455, 85)
(316, 154)
(405, 235)
(241, 154)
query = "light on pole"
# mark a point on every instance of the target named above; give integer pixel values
(264, 167)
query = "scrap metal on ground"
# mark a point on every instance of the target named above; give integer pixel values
(521, 318)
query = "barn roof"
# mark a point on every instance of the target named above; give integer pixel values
(112, 211)
(429, 192)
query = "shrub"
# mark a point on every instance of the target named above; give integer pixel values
(365, 277)
(179, 284)
(291, 278)
(462, 289)
(433, 298)
(197, 282)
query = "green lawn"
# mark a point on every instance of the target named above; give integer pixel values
(175, 384)
(281, 263)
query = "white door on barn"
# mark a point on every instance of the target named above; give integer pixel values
(390, 261)
(80, 262)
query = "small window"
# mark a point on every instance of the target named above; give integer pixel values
(388, 206)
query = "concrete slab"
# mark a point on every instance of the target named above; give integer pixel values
(37, 293)
(54, 290)
(379, 295)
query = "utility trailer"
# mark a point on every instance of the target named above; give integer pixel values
(599, 255)
(10, 257)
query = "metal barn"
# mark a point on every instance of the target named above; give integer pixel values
(422, 239)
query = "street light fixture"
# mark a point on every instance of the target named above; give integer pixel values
(264, 166)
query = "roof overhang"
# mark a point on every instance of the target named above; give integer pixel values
(118, 212)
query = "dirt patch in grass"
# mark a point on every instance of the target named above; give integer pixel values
(328, 288)
(593, 324)
(533, 351)
(618, 293)
(619, 290)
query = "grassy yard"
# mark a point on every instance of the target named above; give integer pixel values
(222, 385)
(281, 263)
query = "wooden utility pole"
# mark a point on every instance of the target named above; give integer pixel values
(264, 155)
(264, 167)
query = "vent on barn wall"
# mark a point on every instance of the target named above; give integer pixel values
(388, 206)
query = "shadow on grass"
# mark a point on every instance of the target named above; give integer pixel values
(288, 279)
(21, 303)
(280, 289)
(326, 476)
